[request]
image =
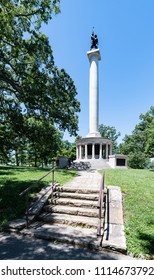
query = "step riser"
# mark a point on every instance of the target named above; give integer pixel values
(73, 203)
(76, 190)
(81, 224)
(53, 220)
(72, 212)
(70, 241)
(75, 196)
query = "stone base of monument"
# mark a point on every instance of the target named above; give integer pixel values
(118, 161)
(94, 164)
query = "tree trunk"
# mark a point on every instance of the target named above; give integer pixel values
(16, 157)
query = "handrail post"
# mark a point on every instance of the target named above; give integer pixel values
(27, 191)
(27, 208)
(53, 174)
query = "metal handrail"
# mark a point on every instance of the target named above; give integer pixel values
(26, 191)
(34, 184)
(99, 206)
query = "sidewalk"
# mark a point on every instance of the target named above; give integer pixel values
(87, 179)
(15, 247)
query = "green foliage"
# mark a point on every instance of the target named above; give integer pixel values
(111, 133)
(140, 145)
(32, 88)
(138, 197)
(69, 150)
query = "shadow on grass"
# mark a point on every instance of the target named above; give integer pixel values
(22, 168)
(13, 206)
(148, 243)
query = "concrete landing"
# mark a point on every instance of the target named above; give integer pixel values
(65, 234)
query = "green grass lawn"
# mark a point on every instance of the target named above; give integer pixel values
(138, 199)
(13, 180)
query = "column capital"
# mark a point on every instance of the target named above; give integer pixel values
(94, 52)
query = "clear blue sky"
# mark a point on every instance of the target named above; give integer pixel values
(125, 30)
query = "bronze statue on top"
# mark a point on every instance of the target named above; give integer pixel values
(94, 41)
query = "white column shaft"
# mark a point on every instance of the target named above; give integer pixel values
(107, 151)
(77, 152)
(93, 95)
(100, 151)
(93, 151)
(86, 151)
(80, 152)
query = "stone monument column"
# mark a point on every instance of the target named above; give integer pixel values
(93, 148)
(94, 57)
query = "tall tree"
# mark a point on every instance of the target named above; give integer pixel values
(110, 132)
(140, 145)
(27, 70)
(31, 86)
(44, 141)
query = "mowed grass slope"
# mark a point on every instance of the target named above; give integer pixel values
(138, 199)
(13, 180)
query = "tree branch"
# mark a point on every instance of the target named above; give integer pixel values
(30, 14)
(4, 77)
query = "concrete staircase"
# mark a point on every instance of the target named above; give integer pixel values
(70, 216)
(92, 164)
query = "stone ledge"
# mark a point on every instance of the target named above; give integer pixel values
(114, 235)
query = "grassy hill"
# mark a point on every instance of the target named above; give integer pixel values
(138, 200)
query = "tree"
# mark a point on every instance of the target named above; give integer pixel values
(110, 132)
(44, 141)
(31, 86)
(28, 74)
(140, 145)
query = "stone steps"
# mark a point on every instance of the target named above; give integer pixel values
(51, 218)
(65, 234)
(73, 202)
(77, 211)
(71, 216)
(96, 163)
(82, 196)
(73, 206)
(70, 213)
(77, 190)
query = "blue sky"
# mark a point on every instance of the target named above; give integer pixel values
(125, 30)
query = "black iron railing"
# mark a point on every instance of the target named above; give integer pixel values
(100, 205)
(26, 192)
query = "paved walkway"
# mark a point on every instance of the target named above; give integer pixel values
(15, 247)
(87, 179)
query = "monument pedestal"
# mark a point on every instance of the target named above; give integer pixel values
(93, 148)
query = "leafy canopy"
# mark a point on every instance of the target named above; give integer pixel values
(29, 78)
(140, 145)
(110, 132)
